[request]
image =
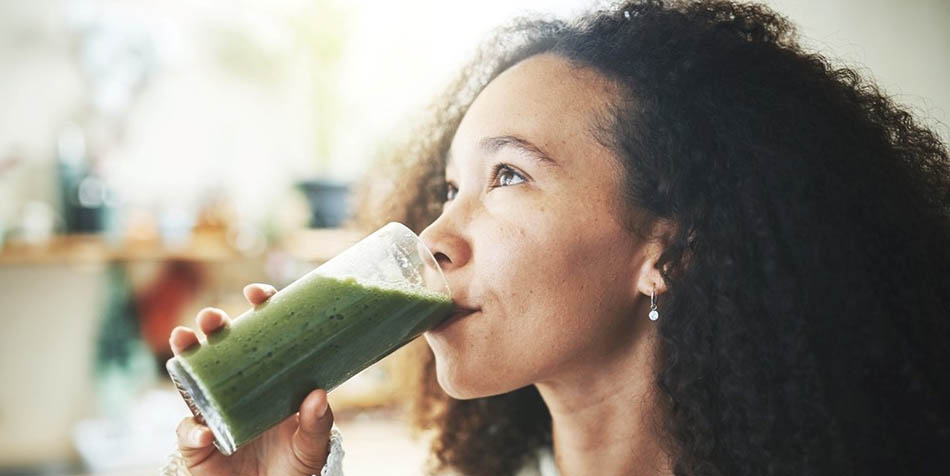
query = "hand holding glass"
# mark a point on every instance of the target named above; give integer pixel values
(319, 331)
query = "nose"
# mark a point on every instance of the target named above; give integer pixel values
(452, 250)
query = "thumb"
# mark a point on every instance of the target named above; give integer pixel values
(311, 440)
(194, 441)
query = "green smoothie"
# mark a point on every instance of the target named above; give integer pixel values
(316, 333)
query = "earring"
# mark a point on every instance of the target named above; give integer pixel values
(654, 314)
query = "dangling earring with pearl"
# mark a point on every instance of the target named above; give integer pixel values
(654, 314)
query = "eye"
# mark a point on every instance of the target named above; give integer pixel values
(450, 191)
(503, 175)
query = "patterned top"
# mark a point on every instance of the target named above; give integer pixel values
(541, 465)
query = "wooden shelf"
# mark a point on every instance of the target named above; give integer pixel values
(319, 244)
(315, 245)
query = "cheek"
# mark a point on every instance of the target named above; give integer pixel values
(547, 300)
(565, 298)
(527, 328)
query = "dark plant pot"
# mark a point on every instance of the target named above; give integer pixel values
(329, 202)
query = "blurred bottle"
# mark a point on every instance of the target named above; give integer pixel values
(84, 192)
(124, 365)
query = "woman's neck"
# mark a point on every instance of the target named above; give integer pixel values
(604, 414)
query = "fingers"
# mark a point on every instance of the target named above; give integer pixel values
(211, 319)
(194, 441)
(258, 293)
(313, 434)
(181, 339)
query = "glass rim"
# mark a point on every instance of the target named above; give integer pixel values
(428, 257)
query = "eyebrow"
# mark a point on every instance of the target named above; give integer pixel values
(492, 145)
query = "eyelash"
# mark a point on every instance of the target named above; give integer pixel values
(496, 172)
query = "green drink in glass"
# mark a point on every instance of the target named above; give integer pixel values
(319, 331)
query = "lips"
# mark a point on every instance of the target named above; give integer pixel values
(458, 312)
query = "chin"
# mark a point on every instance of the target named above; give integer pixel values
(457, 392)
(462, 383)
(462, 389)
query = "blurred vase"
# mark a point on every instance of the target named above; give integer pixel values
(329, 202)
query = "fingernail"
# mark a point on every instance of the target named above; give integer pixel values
(196, 436)
(323, 408)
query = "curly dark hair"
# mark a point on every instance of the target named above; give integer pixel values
(805, 328)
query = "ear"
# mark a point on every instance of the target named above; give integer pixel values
(647, 276)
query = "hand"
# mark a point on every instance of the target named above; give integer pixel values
(296, 446)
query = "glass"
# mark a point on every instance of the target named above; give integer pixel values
(319, 331)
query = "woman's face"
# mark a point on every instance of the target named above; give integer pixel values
(530, 235)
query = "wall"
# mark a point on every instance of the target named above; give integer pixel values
(50, 312)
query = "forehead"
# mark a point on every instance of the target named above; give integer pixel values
(543, 99)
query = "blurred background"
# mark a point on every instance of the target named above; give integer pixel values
(155, 157)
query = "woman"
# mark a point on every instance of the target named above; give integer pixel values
(688, 247)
